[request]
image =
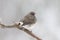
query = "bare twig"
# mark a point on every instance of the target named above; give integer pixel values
(9, 26)
(25, 30)
(30, 33)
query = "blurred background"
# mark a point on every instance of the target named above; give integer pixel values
(47, 13)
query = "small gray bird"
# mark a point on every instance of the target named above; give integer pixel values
(29, 19)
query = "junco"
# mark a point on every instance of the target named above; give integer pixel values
(29, 19)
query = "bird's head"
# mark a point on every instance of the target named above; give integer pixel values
(32, 13)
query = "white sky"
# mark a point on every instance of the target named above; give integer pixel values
(48, 18)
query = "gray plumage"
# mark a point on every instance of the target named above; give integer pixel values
(29, 19)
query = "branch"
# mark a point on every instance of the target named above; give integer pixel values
(25, 30)
(30, 33)
(9, 26)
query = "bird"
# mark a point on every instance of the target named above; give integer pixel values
(28, 19)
